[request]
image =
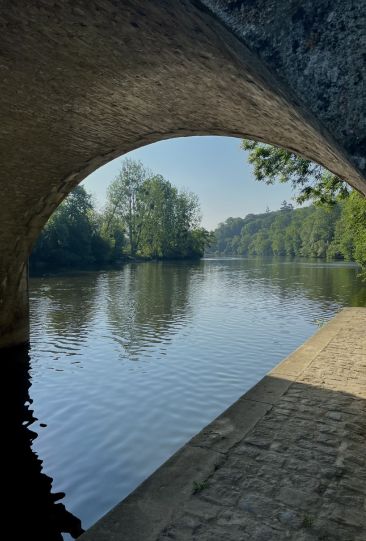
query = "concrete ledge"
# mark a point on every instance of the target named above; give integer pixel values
(144, 513)
(147, 510)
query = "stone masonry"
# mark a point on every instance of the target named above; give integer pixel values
(84, 81)
(286, 462)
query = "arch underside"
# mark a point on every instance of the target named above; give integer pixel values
(83, 83)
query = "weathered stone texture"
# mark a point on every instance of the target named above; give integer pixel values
(295, 469)
(82, 82)
(319, 49)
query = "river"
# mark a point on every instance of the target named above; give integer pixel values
(125, 366)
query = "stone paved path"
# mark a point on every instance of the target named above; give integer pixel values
(296, 468)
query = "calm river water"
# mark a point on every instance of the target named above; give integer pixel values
(125, 366)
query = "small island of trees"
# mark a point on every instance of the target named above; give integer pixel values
(145, 217)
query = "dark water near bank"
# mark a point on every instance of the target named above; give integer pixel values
(125, 366)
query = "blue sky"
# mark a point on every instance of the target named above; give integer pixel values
(215, 168)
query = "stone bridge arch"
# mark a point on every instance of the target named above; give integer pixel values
(83, 82)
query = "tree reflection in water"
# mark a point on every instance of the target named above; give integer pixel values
(148, 303)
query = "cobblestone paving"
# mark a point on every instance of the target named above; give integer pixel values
(300, 473)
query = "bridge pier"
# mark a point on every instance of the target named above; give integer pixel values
(14, 308)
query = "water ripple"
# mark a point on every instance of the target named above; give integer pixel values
(128, 365)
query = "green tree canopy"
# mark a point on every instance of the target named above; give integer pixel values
(309, 232)
(126, 200)
(160, 220)
(145, 216)
(309, 180)
(71, 237)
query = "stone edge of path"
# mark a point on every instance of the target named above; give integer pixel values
(147, 510)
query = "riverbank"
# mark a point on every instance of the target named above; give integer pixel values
(286, 461)
(74, 271)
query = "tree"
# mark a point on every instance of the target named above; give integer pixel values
(126, 200)
(350, 232)
(159, 199)
(274, 164)
(71, 236)
(277, 230)
(286, 206)
(187, 220)
(200, 238)
(160, 220)
(311, 181)
(313, 231)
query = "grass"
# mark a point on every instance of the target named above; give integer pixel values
(308, 521)
(320, 322)
(198, 486)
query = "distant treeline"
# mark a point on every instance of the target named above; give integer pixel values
(145, 217)
(335, 232)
